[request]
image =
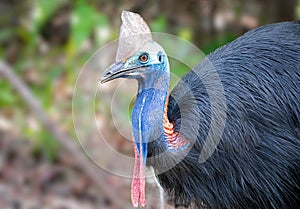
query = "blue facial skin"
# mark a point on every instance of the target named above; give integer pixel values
(148, 111)
(147, 115)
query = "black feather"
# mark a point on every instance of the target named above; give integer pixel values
(257, 162)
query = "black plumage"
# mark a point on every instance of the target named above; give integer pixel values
(257, 162)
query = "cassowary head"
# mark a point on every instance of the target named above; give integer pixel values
(141, 58)
(138, 56)
(147, 64)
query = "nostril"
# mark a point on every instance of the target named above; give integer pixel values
(108, 73)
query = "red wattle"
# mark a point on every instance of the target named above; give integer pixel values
(138, 180)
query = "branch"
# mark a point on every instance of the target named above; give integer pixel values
(90, 169)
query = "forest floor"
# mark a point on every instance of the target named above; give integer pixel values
(27, 180)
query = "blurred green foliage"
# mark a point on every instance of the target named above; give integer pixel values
(298, 10)
(84, 20)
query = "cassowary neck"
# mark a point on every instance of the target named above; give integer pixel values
(149, 117)
(147, 124)
(148, 111)
(158, 81)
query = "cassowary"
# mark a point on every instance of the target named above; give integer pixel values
(256, 163)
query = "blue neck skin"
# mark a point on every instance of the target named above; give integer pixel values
(148, 111)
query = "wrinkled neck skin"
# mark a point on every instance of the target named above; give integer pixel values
(148, 111)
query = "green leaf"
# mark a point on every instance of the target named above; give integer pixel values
(7, 96)
(159, 25)
(43, 10)
(298, 10)
(186, 34)
(83, 21)
(49, 145)
(103, 32)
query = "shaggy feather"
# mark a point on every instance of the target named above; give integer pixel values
(257, 162)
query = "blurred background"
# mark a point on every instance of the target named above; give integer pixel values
(46, 43)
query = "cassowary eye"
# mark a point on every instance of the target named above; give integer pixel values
(143, 58)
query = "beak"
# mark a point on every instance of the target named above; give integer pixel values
(114, 71)
(117, 70)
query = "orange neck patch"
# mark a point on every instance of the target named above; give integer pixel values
(174, 140)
